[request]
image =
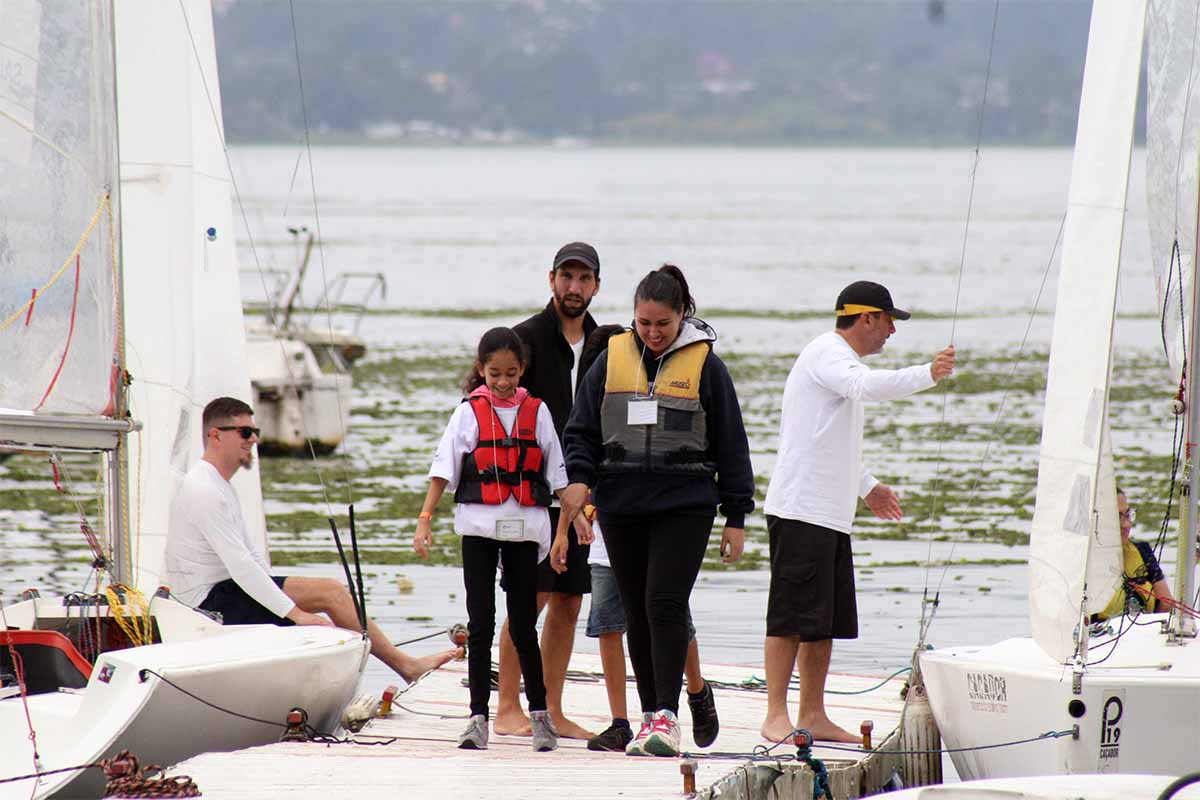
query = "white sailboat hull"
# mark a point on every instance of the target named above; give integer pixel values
(295, 401)
(258, 671)
(1012, 691)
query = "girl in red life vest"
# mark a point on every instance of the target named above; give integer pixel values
(501, 457)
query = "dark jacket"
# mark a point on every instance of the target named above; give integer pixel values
(647, 493)
(548, 374)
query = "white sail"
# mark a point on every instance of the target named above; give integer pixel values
(184, 331)
(1074, 562)
(1172, 133)
(58, 241)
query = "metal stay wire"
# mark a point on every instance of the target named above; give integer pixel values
(312, 182)
(271, 316)
(937, 477)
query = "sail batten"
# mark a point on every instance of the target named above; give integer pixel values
(1075, 544)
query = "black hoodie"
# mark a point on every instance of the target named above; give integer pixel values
(648, 493)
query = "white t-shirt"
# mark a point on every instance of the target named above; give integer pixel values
(598, 554)
(577, 349)
(208, 542)
(819, 474)
(479, 519)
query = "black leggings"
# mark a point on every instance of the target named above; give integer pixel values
(655, 559)
(480, 556)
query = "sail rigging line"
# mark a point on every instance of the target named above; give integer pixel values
(237, 195)
(83, 168)
(19, 669)
(962, 261)
(927, 620)
(83, 239)
(312, 180)
(66, 347)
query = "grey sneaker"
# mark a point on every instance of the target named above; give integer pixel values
(545, 737)
(475, 737)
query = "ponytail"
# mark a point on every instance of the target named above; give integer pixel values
(494, 341)
(666, 285)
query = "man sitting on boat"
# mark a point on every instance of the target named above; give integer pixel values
(213, 562)
(1144, 587)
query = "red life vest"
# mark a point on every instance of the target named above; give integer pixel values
(504, 464)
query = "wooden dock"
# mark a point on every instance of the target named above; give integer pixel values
(424, 760)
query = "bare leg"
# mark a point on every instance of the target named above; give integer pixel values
(558, 638)
(510, 718)
(813, 665)
(779, 654)
(691, 668)
(327, 596)
(612, 659)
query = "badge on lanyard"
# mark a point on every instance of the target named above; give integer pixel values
(643, 411)
(510, 528)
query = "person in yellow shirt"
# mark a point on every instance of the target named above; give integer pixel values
(1145, 588)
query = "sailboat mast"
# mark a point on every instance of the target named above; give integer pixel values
(118, 459)
(1184, 624)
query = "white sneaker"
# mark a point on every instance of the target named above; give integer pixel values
(475, 737)
(636, 747)
(663, 739)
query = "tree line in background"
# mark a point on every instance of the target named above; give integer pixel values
(665, 71)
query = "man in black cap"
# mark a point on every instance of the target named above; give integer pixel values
(555, 338)
(813, 496)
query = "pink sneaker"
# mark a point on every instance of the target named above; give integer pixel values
(636, 747)
(664, 735)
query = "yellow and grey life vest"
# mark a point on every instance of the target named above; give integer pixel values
(677, 442)
(1126, 596)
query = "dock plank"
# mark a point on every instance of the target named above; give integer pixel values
(423, 760)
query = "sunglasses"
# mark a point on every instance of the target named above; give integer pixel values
(245, 430)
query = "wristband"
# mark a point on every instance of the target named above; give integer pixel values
(425, 515)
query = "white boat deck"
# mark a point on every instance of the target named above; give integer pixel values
(424, 760)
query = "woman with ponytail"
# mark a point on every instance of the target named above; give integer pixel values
(656, 434)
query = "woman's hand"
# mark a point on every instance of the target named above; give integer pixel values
(583, 529)
(733, 540)
(573, 499)
(423, 539)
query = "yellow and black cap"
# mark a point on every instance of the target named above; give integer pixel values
(865, 297)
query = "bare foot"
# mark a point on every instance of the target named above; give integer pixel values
(415, 667)
(511, 723)
(776, 728)
(569, 730)
(824, 730)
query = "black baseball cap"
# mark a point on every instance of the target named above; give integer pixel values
(864, 297)
(580, 252)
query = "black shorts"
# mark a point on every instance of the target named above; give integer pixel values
(812, 582)
(578, 577)
(238, 608)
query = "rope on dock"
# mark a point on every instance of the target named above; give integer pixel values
(764, 753)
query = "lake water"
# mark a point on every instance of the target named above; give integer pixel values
(767, 237)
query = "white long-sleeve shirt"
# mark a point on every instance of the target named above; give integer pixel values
(819, 474)
(208, 542)
(479, 519)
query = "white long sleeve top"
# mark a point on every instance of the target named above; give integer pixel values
(208, 542)
(478, 519)
(819, 474)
